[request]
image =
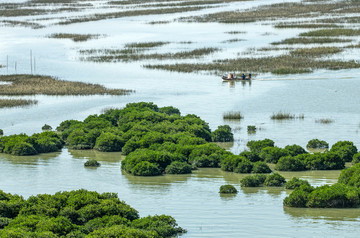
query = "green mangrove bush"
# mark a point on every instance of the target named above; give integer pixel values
(317, 144)
(228, 189)
(274, 180)
(256, 180)
(223, 134)
(178, 167)
(92, 163)
(78, 213)
(295, 183)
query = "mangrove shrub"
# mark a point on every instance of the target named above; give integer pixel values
(228, 189)
(178, 167)
(274, 180)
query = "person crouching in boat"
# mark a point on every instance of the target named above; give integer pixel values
(249, 76)
(230, 76)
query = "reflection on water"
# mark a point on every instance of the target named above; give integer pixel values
(346, 214)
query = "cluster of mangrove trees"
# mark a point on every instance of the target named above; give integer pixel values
(78, 214)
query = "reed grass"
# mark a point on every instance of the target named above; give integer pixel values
(285, 116)
(22, 84)
(8, 103)
(22, 24)
(284, 64)
(120, 56)
(74, 37)
(232, 40)
(158, 22)
(232, 115)
(315, 51)
(332, 32)
(305, 25)
(104, 16)
(279, 10)
(235, 32)
(311, 40)
(146, 44)
(324, 121)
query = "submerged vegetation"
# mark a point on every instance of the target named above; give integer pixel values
(283, 64)
(232, 116)
(74, 37)
(79, 213)
(135, 55)
(23, 84)
(4, 103)
(285, 116)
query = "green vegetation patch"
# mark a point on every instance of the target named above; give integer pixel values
(305, 25)
(232, 115)
(23, 144)
(74, 37)
(228, 189)
(22, 84)
(279, 10)
(311, 40)
(79, 213)
(284, 64)
(295, 183)
(6, 103)
(92, 163)
(317, 144)
(112, 15)
(332, 32)
(316, 51)
(127, 55)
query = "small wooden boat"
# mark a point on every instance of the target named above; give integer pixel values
(224, 78)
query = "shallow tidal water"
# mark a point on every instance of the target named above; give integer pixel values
(193, 200)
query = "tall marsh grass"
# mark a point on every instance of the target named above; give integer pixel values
(6, 103)
(232, 115)
(22, 84)
(74, 37)
(285, 116)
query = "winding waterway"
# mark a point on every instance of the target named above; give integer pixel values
(193, 200)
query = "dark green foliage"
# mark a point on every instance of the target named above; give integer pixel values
(92, 163)
(145, 168)
(253, 180)
(228, 189)
(295, 183)
(46, 127)
(299, 197)
(177, 167)
(170, 110)
(334, 196)
(1, 132)
(261, 168)
(207, 155)
(4, 221)
(78, 214)
(323, 161)
(231, 162)
(223, 134)
(345, 149)
(257, 146)
(164, 226)
(252, 156)
(274, 180)
(47, 141)
(356, 158)
(272, 154)
(108, 142)
(251, 129)
(295, 150)
(317, 144)
(290, 163)
(245, 166)
(350, 176)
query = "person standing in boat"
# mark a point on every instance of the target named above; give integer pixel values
(243, 76)
(249, 76)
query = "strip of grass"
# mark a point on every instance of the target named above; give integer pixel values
(332, 32)
(305, 25)
(103, 16)
(23, 24)
(232, 116)
(74, 37)
(7, 103)
(146, 44)
(276, 11)
(284, 64)
(311, 40)
(126, 57)
(315, 51)
(324, 121)
(22, 84)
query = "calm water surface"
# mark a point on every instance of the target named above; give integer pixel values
(192, 199)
